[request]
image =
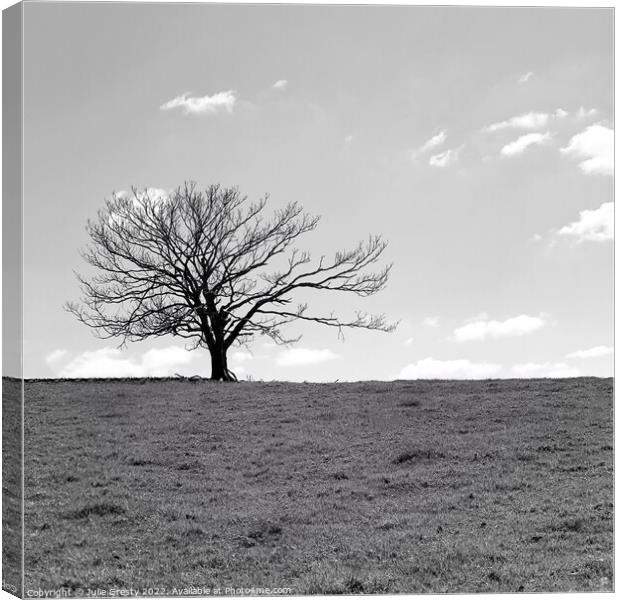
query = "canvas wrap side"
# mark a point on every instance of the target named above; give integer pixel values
(12, 321)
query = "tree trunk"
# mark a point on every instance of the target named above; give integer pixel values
(219, 366)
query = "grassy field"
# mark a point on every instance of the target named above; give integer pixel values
(11, 485)
(322, 488)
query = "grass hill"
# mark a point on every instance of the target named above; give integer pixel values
(417, 486)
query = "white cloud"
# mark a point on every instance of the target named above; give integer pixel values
(203, 105)
(430, 368)
(531, 120)
(526, 77)
(111, 362)
(544, 370)
(348, 139)
(281, 84)
(596, 145)
(522, 143)
(560, 113)
(514, 326)
(436, 140)
(156, 197)
(55, 357)
(159, 362)
(444, 159)
(593, 225)
(296, 357)
(153, 195)
(583, 113)
(408, 341)
(592, 352)
(431, 321)
(241, 356)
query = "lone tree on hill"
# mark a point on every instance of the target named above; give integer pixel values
(191, 264)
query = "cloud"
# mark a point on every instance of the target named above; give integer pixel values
(55, 357)
(348, 139)
(522, 143)
(593, 225)
(583, 113)
(296, 357)
(592, 352)
(560, 113)
(482, 329)
(531, 120)
(430, 368)
(281, 84)
(151, 194)
(202, 105)
(544, 370)
(241, 356)
(444, 159)
(526, 77)
(111, 362)
(596, 145)
(431, 321)
(408, 341)
(436, 140)
(155, 197)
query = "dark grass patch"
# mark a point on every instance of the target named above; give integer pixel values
(409, 403)
(101, 509)
(264, 532)
(573, 525)
(418, 454)
(143, 462)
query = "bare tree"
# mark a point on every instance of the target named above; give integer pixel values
(191, 264)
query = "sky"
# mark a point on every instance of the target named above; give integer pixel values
(477, 141)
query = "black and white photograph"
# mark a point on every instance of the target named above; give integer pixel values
(307, 299)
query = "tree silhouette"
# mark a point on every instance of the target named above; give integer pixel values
(192, 264)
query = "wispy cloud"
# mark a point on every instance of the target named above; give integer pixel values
(435, 141)
(482, 329)
(112, 362)
(585, 113)
(53, 358)
(530, 120)
(593, 225)
(281, 84)
(431, 321)
(430, 368)
(546, 369)
(596, 145)
(521, 144)
(202, 105)
(445, 159)
(595, 352)
(408, 341)
(296, 357)
(526, 77)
